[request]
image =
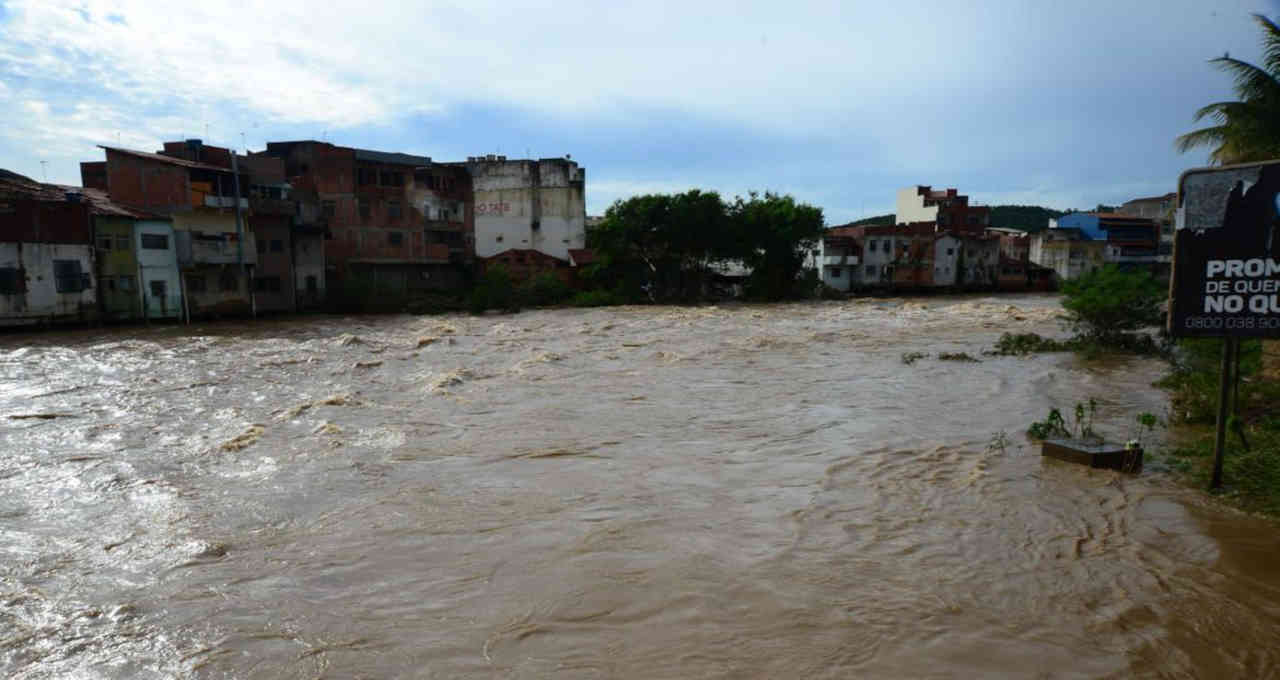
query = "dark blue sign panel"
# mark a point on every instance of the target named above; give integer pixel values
(1226, 254)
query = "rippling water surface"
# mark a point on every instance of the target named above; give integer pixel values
(632, 492)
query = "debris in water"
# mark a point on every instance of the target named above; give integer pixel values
(427, 340)
(455, 377)
(347, 339)
(327, 428)
(367, 364)
(245, 439)
(956, 356)
(41, 416)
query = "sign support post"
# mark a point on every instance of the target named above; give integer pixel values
(1229, 350)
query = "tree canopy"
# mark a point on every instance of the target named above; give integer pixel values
(667, 246)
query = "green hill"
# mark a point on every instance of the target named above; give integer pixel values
(1028, 217)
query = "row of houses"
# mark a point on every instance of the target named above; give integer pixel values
(199, 230)
(941, 240)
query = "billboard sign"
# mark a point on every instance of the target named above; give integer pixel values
(1226, 255)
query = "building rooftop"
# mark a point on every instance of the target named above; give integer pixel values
(161, 158)
(390, 157)
(15, 186)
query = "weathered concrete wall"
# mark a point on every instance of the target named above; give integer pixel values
(946, 251)
(539, 205)
(40, 300)
(309, 270)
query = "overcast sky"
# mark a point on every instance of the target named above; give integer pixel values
(1064, 104)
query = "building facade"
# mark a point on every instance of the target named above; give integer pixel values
(391, 221)
(528, 204)
(195, 186)
(947, 210)
(47, 261)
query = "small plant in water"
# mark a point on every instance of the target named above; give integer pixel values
(1146, 424)
(909, 358)
(1052, 426)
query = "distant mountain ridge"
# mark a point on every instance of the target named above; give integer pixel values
(1031, 218)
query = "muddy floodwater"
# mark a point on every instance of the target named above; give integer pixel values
(639, 492)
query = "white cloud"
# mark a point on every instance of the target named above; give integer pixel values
(931, 88)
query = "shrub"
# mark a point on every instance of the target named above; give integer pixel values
(1108, 303)
(545, 290)
(1020, 344)
(495, 291)
(596, 298)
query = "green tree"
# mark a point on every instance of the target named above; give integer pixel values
(771, 235)
(1247, 129)
(662, 242)
(1108, 303)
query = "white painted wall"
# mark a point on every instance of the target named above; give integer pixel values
(946, 252)
(504, 209)
(42, 301)
(158, 265)
(911, 208)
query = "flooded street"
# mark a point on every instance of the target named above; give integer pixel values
(637, 492)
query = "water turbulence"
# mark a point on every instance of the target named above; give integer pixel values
(626, 492)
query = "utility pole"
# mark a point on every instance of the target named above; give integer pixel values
(244, 269)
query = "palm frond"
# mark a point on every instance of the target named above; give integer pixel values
(1211, 136)
(1270, 43)
(1251, 82)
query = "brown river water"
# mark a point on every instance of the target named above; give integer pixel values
(642, 492)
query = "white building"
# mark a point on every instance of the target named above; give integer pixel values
(45, 282)
(836, 261)
(528, 204)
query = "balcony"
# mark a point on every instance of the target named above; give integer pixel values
(196, 247)
(839, 260)
(212, 201)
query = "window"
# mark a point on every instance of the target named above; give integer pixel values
(951, 251)
(158, 289)
(228, 280)
(312, 285)
(126, 283)
(104, 243)
(871, 246)
(277, 245)
(328, 208)
(888, 246)
(110, 283)
(267, 284)
(262, 245)
(12, 281)
(195, 284)
(155, 241)
(499, 238)
(122, 243)
(362, 204)
(66, 274)
(364, 176)
(536, 225)
(835, 272)
(393, 208)
(871, 270)
(395, 238)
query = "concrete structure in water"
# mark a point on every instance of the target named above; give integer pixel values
(393, 222)
(47, 261)
(528, 205)
(194, 185)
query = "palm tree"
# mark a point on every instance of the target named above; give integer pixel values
(1249, 129)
